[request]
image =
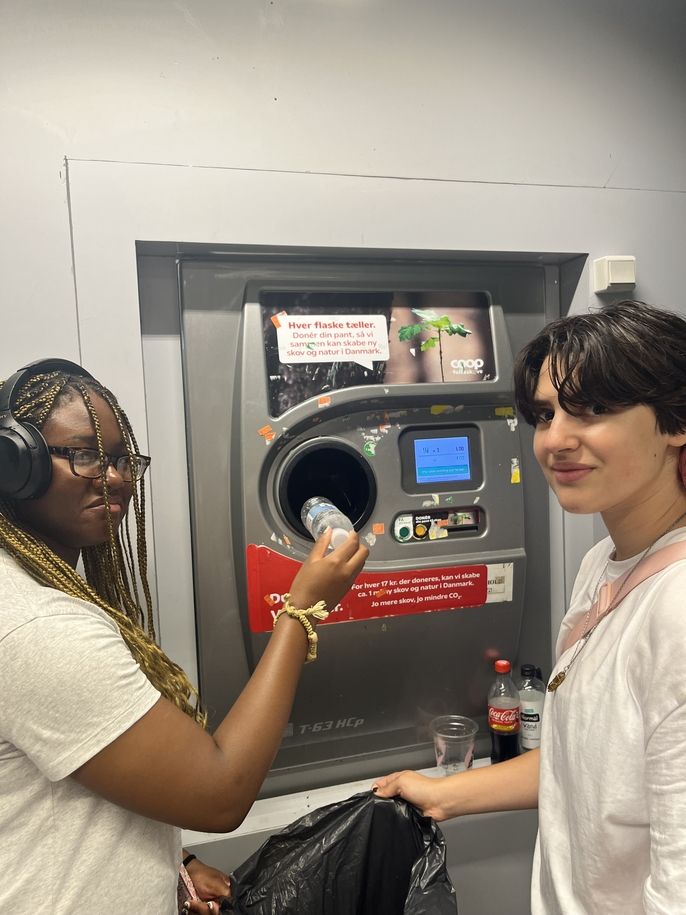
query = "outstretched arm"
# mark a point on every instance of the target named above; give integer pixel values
(167, 768)
(510, 785)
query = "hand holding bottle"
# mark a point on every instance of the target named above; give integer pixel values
(327, 575)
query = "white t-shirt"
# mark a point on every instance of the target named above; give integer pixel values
(68, 687)
(612, 795)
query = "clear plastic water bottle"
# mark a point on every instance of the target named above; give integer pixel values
(319, 513)
(531, 699)
(503, 714)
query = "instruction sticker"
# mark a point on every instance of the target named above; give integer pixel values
(373, 595)
(332, 338)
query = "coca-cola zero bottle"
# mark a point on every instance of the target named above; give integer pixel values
(503, 714)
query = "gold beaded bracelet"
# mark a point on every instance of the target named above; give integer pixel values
(317, 612)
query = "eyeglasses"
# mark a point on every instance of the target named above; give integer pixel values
(86, 462)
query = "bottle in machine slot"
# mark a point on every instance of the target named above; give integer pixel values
(319, 513)
(503, 714)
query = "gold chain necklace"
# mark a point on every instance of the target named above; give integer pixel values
(560, 677)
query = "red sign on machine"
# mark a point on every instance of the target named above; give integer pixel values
(374, 595)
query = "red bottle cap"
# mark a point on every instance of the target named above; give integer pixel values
(502, 667)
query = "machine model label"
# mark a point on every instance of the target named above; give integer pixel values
(374, 595)
(334, 724)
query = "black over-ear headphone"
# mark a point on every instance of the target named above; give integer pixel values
(25, 462)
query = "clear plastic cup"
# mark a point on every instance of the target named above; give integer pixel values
(454, 739)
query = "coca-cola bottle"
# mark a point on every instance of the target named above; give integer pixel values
(503, 714)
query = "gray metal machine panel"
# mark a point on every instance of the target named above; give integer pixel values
(365, 706)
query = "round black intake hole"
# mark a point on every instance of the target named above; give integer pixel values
(330, 469)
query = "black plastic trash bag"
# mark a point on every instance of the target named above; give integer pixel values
(363, 856)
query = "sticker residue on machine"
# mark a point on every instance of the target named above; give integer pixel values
(439, 408)
(515, 476)
(370, 438)
(370, 539)
(434, 500)
(276, 319)
(500, 578)
(267, 433)
(504, 411)
(512, 423)
(323, 401)
(378, 528)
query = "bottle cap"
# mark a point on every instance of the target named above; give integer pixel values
(528, 670)
(338, 536)
(502, 667)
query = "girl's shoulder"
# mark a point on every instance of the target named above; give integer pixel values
(24, 600)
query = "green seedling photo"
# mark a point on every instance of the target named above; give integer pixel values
(433, 324)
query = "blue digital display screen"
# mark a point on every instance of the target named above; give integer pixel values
(442, 460)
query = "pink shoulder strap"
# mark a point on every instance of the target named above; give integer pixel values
(649, 566)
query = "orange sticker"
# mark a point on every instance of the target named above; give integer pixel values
(323, 401)
(275, 318)
(269, 600)
(381, 592)
(267, 433)
(378, 529)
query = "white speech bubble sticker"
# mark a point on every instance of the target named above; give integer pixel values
(333, 338)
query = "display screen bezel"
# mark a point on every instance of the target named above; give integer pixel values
(408, 464)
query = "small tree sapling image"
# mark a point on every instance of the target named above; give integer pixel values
(430, 322)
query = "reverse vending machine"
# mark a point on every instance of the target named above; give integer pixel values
(386, 389)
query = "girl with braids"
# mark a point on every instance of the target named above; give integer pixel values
(103, 752)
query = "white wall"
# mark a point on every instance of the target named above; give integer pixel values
(581, 93)
(535, 125)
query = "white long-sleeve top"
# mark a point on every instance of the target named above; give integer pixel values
(612, 794)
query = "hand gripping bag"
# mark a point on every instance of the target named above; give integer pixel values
(363, 856)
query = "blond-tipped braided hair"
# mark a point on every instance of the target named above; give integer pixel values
(111, 580)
